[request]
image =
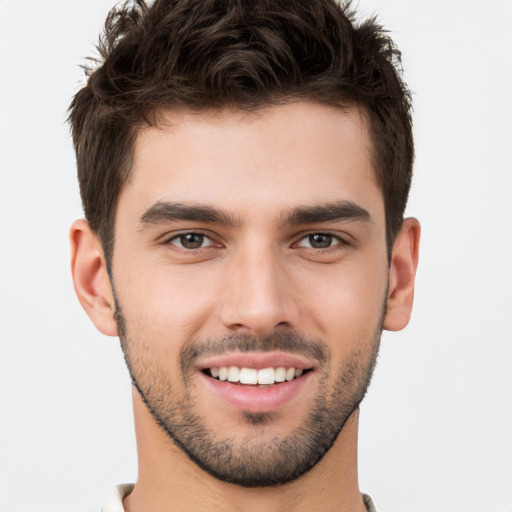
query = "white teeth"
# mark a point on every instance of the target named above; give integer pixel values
(265, 376)
(233, 374)
(280, 375)
(290, 374)
(248, 376)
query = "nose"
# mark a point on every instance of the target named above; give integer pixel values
(258, 295)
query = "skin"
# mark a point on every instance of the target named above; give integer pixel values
(255, 276)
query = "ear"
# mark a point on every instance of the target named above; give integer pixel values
(90, 277)
(404, 261)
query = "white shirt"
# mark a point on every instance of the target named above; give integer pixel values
(115, 500)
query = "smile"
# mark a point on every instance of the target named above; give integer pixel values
(256, 381)
(253, 376)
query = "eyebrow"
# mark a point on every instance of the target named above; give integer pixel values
(338, 211)
(330, 212)
(162, 212)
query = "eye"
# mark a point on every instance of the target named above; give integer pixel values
(191, 241)
(320, 241)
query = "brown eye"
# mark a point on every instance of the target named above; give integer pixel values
(323, 241)
(319, 241)
(191, 241)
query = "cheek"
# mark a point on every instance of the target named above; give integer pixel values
(168, 304)
(345, 304)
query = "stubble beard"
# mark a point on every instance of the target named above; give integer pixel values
(252, 461)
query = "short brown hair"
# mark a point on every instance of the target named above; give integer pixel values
(208, 54)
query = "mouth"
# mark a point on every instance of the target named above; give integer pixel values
(255, 377)
(257, 382)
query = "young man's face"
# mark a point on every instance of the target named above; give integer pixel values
(252, 241)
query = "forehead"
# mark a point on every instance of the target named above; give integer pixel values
(276, 157)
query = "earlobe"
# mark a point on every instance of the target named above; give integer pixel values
(90, 277)
(402, 271)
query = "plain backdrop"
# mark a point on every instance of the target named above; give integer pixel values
(436, 427)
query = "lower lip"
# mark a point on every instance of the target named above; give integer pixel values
(255, 398)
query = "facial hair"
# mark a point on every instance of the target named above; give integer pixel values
(252, 461)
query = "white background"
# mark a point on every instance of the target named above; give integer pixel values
(436, 427)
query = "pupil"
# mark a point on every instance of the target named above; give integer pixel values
(192, 241)
(320, 241)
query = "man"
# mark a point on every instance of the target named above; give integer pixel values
(244, 168)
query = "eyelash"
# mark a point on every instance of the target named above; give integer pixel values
(340, 241)
(179, 236)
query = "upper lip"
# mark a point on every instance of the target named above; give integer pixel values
(256, 360)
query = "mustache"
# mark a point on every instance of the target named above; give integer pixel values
(292, 342)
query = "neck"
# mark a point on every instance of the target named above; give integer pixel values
(168, 480)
